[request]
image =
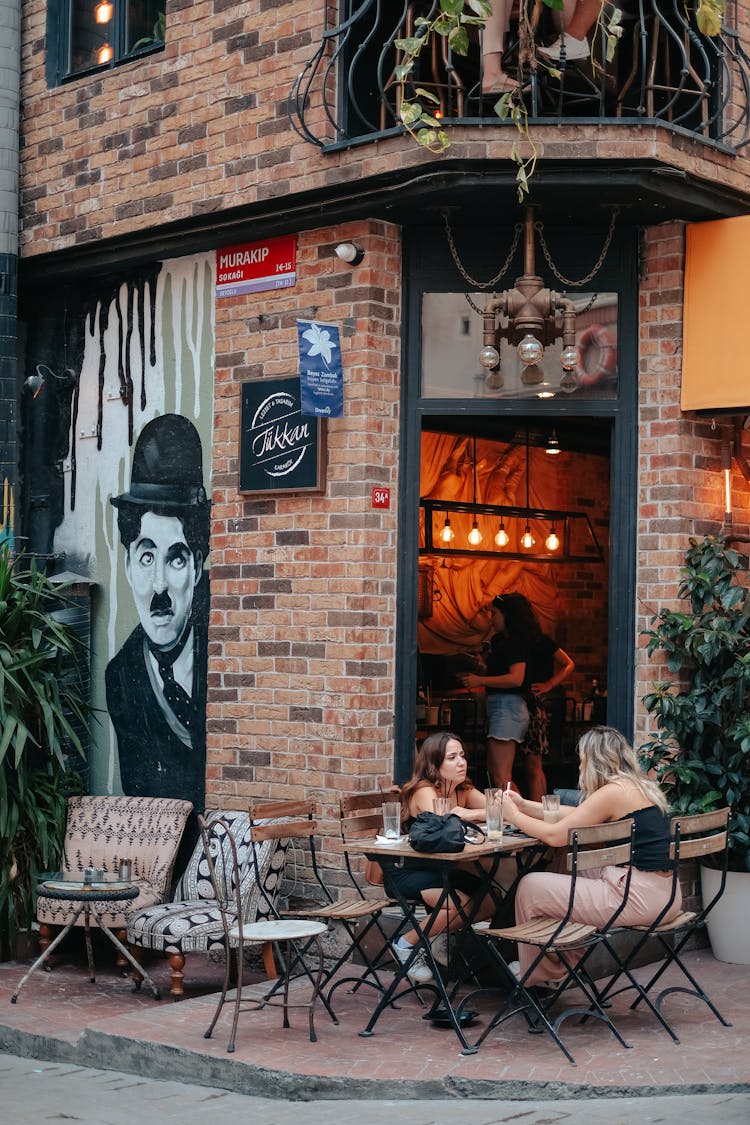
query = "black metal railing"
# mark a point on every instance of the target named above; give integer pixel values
(663, 70)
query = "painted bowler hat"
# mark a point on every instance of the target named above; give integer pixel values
(167, 466)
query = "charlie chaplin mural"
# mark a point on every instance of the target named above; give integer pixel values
(156, 683)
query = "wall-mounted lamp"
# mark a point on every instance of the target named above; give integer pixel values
(726, 468)
(350, 252)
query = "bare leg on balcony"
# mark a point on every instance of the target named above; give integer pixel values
(494, 78)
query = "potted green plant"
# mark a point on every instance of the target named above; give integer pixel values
(42, 714)
(701, 753)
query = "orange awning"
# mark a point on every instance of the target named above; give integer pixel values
(716, 322)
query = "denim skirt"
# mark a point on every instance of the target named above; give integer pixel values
(507, 716)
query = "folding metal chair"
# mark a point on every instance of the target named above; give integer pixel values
(360, 816)
(590, 849)
(692, 837)
(285, 934)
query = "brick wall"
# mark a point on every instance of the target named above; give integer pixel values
(202, 126)
(301, 657)
(680, 484)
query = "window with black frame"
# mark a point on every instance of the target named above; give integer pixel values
(94, 35)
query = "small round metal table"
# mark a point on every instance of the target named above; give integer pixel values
(91, 900)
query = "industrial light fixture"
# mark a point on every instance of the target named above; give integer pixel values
(104, 54)
(475, 535)
(531, 317)
(350, 253)
(553, 445)
(104, 11)
(571, 536)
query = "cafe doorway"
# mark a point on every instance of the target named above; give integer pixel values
(512, 504)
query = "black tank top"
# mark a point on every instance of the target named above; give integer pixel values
(651, 842)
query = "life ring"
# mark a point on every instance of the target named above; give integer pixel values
(597, 355)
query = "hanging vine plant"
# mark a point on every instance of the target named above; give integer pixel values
(452, 20)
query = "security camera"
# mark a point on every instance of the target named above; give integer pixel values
(350, 252)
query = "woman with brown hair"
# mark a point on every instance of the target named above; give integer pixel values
(439, 771)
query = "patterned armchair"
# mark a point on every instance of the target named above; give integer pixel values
(103, 830)
(192, 922)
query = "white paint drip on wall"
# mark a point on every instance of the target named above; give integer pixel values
(181, 381)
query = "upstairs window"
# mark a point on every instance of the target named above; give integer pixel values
(87, 35)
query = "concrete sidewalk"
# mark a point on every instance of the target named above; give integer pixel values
(61, 1016)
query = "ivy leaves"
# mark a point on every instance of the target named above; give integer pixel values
(701, 753)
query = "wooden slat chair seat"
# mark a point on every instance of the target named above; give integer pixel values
(692, 836)
(590, 849)
(360, 816)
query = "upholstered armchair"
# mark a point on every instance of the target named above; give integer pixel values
(192, 923)
(103, 830)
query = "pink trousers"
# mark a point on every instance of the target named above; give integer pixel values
(544, 894)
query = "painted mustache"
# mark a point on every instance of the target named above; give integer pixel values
(161, 603)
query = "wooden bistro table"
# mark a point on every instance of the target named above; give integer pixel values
(92, 900)
(485, 858)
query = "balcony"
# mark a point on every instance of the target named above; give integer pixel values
(663, 71)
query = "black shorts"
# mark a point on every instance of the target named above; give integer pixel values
(413, 878)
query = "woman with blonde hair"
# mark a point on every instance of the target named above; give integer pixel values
(614, 787)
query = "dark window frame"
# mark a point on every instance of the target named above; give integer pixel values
(58, 43)
(428, 267)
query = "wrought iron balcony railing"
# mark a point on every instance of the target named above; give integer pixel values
(663, 70)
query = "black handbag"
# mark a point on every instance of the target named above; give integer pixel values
(432, 832)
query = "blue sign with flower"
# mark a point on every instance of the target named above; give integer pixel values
(321, 374)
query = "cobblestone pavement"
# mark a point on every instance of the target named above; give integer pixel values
(36, 1092)
(63, 1018)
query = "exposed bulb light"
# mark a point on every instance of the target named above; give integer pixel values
(545, 394)
(475, 535)
(529, 349)
(569, 358)
(104, 54)
(552, 542)
(553, 445)
(527, 539)
(489, 357)
(502, 538)
(570, 381)
(104, 11)
(447, 535)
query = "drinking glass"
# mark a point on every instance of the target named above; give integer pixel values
(392, 820)
(551, 806)
(494, 813)
(442, 805)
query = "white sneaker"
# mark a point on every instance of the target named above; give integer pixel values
(515, 968)
(419, 972)
(440, 949)
(567, 48)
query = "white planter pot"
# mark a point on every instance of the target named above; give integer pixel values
(729, 922)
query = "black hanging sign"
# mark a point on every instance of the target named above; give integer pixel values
(280, 449)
